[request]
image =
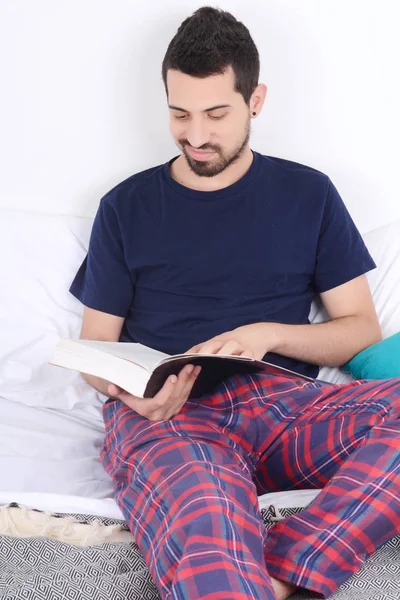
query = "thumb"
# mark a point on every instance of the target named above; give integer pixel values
(114, 390)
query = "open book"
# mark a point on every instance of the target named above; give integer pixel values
(142, 371)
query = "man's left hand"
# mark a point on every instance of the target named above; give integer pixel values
(253, 340)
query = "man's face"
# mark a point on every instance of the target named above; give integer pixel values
(223, 132)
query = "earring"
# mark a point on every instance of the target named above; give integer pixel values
(254, 114)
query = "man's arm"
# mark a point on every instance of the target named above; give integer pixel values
(101, 326)
(354, 326)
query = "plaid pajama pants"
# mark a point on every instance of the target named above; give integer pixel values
(188, 487)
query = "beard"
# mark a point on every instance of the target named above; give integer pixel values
(210, 168)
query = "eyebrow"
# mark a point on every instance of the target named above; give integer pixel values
(206, 110)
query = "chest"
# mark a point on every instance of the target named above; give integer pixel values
(240, 246)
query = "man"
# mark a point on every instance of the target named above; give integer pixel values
(221, 250)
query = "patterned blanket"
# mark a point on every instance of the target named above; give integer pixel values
(40, 568)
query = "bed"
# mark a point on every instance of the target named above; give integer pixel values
(51, 428)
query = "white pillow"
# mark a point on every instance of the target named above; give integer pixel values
(40, 256)
(384, 281)
(384, 245)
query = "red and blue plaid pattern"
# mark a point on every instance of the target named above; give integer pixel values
(188, 487)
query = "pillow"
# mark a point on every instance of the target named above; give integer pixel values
(379, 361)
(40, 256)
(384, 246)
(384, 281)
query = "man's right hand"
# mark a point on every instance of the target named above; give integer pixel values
(167, 402)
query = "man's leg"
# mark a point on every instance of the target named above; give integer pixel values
(186, 491)
(346, 440)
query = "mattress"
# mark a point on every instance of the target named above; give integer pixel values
(49, 459)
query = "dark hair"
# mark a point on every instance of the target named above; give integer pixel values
(208, 42)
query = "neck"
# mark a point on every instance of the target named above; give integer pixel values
(181, 172)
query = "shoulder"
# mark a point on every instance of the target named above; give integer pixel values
(293, 172)
(127, 191)
(299, 189)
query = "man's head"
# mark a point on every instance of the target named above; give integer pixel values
(212, 62)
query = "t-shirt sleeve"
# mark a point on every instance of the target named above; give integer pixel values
(341, 252)
(103, 281)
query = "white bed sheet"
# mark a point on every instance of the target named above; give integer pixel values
(49, 459)
(43, 450)
(107, 507)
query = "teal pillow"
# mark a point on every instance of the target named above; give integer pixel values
(380, 361)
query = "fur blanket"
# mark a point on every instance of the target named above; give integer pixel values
(20, 521)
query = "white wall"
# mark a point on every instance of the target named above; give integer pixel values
(83, 106)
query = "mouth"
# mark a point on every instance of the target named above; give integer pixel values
(200, 154)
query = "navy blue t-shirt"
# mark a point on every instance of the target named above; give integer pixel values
(182, 266)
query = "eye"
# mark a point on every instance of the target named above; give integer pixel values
(211, 117)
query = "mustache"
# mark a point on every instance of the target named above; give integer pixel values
(184, 144)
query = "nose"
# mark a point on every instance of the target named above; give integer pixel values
(197, 135)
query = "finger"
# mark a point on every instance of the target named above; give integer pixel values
(118, 392)
(182, 391)
(193, 349)
(183, 376)
(169, 388)
(134, 402)
(185, 380)
(187, 383)
(174, 394)
(231, 348)
(114, 390)
(174, 388)
(211, 347)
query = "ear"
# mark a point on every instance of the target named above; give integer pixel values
(258, 98)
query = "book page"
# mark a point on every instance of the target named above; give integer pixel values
(138, 353)
(175, 357)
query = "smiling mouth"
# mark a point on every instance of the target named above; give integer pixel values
(200, 154)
